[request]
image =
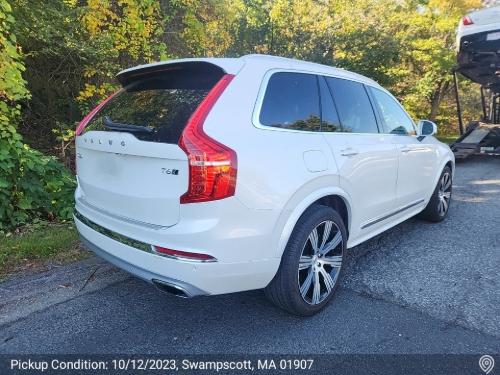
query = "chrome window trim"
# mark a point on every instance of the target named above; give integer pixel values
(139, 245)
(262, 91)
(383, 217)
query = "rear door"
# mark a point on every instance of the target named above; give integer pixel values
(128, 162)
(367, 160)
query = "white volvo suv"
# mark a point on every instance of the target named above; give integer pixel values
(219, 175)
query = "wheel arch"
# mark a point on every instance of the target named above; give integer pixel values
(339, 205)
(447, 162)
(335, 198)
(451, 165)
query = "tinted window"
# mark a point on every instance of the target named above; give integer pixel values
(395, 119)
(164, 110)
(353, 105)
(291, 101)
(329, 117)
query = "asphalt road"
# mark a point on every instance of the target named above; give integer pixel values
(449, 270)
(418, 288)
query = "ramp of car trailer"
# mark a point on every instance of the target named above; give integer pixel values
(480, 138)
(477, 135)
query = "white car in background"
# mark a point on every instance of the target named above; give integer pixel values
(210, 176)
(478, 36)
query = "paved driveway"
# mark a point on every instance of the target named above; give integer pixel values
(419, 288)
(449, 270)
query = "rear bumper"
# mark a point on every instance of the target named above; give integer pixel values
(146, 275)
(476, 38)
(193, 278)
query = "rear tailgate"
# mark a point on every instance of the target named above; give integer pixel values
(129, 163)
(131, 178)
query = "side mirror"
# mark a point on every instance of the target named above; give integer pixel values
(426, 127)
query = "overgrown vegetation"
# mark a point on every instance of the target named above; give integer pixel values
(59, 58)
(32, 186)
(38, 246)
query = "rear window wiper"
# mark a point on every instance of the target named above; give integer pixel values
(125, 127)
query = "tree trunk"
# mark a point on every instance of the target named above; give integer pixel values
(437, 97)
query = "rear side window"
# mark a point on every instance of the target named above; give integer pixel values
(291, 101)
(156, 108)
(353, 106)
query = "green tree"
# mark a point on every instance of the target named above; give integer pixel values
(31, 185)
(12, 85)
(122, 34)
(427, 38)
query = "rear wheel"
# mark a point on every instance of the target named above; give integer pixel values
(439, 204)
(312, 263)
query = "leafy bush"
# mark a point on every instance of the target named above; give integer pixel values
(31, 185)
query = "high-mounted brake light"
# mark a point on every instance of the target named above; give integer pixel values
(467, 21)
(184, 255)
(212, 165)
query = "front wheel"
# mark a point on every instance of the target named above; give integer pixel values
(312, 263)
(439, 204)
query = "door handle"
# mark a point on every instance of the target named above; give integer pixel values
(349, 152)
(405, 149)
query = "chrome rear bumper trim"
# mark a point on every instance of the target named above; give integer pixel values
(113, 235)
(134, 243)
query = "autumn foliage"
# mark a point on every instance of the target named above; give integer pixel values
(59, 58)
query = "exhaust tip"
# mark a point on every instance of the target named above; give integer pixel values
(169, 288)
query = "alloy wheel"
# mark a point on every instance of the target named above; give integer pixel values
(444, 194)
(320, 262)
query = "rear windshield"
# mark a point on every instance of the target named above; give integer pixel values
(153, 109)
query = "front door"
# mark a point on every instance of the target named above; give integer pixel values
(417, 160)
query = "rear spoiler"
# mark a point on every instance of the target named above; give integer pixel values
(194, 72)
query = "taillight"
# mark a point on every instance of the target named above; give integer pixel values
(467, 21)
(212, 165)
(184, 255)
(87, 119)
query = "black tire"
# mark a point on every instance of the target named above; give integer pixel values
(305, 291)
(439, 204)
